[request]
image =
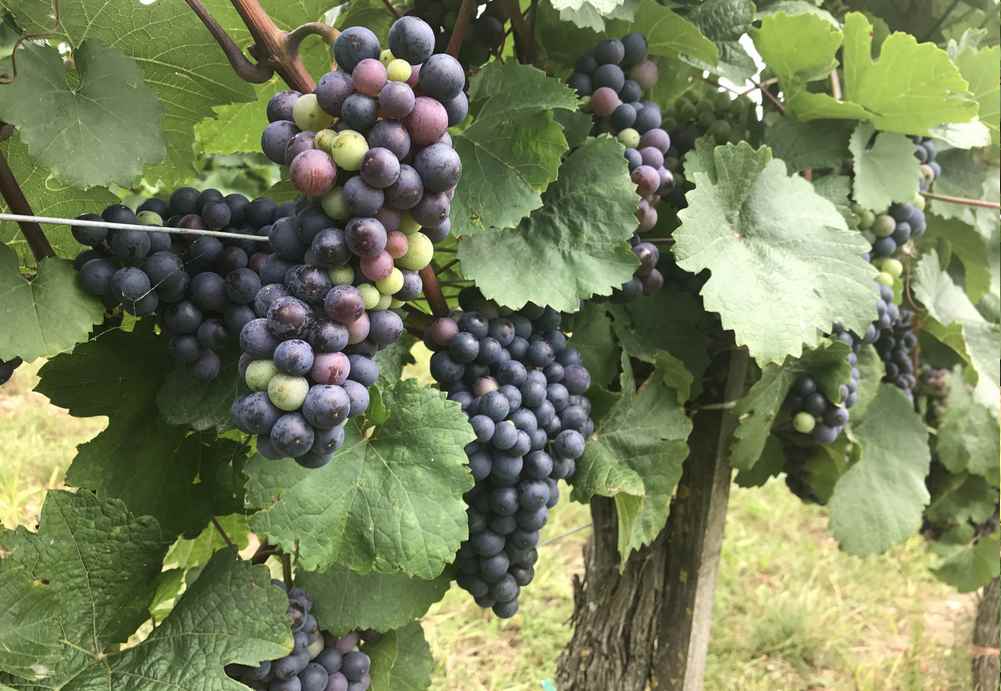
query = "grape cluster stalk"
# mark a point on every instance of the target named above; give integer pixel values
(523, 388)
(615, 75)
(319, 661)
(200, 288)
(370, 152)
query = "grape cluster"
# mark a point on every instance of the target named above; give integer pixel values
(372, 142)
(378, 189)
(319, 661)
(889, 231)
(523, 388)
(615, 74)
(200, 287)
(704, 111)
(485, 35)
(895, 346)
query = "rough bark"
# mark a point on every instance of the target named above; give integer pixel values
(986, 634)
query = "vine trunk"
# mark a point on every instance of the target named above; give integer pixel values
(986, 632)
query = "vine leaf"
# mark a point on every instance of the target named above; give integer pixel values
(967, 245)
(46, 315)
(572, 248)
(967, 438)
(670, 35)
(101, 131)
(512, 151)
(591, 14)
(76, 587)
(981, 67)
(800, 268)
(636, 456)
(352, 601)
(176, 478)
(800, 48)
(401, 660)
(878, 502)
(186, 400)
(819, 144)
(887, 171)
(183, 65)
(969, 567)
(49, 197)
(390, 501)
(759, 408)
(956, 322)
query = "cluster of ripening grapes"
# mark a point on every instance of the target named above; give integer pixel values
(615, 74)
(201, 288)
(319, 661)
(523, 388)
(890, 231)
(485, 35)
(375, 162)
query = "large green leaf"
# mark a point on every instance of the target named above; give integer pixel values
(512, 151)
(153, 467)
(178, 57)
(102, 129)
(390, 501)
(758, 409)
(878, 502)
(818, 144)
(970, 567)
(981, 68)
(799, 48)
(591, 14)
(911, 88)
(348, 601)
(635, 457)
(48, 197)
(886, 170)
(231, 614)
(401, 660)
(671, 35)
(964, 174)
(967, 439)
(593, 337)
(784, 264)
(186, 400)
(46, 315)
(572, 248)
(967, 245)
(76, 587)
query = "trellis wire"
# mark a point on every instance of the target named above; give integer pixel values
(52, 220)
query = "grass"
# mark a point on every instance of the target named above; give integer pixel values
(791, 611)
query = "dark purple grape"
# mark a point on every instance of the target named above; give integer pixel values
(363, 199)
(208, 291)
(288, 317)
(581, 83)
(328, 337)
(432, 209)
(379, 169)
(207, 367)
(275, 140)
(326, 406)
(358, 394)
(89, 236)
(95, 276)
(427, 122)
(407, 191)
(396, 100)
(185, 349)
(303, 141)
(254, 413)
(129, 284)
(129, 246)
(354, 45)
(457, 109)
(241, 286)
(328, 249)
(292, 436)
(359, 112)
(212, 334)
(266, 295)
(386, 327)
(294, 357)
(391, 135)
(344, 304)
(332, 89)
(257, 340)
(439, 167)
(285, 241)
(441, 77)
(366, 237)
(308, 283)
(411, 39)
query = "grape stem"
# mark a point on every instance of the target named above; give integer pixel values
(462, 22)
(392, 10)
(247, 70)
(13, 195)
(981, 203)
(56, 24)
(287, 570)
(432, 289)
(836, 85)
(293, 39)
(263, 553)
(222, 533)
(523, 37)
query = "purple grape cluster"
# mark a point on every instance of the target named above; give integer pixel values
(524, 390)
(370, 151)
(199, 287)
(319, 661)
(615, 74)
(895, 346)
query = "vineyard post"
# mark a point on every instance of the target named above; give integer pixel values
(649, 623)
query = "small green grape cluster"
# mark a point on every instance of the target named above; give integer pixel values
(706, 111)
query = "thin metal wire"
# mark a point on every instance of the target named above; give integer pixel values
(52, 220)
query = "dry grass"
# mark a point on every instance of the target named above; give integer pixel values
(791, 611)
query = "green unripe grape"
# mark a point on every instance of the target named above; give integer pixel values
(885, 279)
(687, 111)
(893, 267)
(384, 302)
(396, 304)
(919, 201)
(287, 392)
(324, 140)
(420, 251)
(308, 114)
(386, 56)
(866, 218)
(370, 295)
(259, 373)
(150, 218)
(721, 130)
(869, 237)
(408, 226)
(884, 226)
(707, 118)
(630, 138)
(316, 647)
(349, 149)
(390, 284)
(804, 422)
(669, 123)
(737, 106)
(334, 205)
(341, 275)
(721, 101)
(399, 70)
